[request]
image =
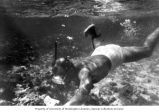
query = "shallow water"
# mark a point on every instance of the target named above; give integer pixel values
(26, 33)
(126, 22)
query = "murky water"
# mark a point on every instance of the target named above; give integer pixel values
(28, 32)
(120, 21)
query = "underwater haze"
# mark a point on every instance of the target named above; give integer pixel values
(29, 29)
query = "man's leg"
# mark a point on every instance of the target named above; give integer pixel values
(135, 53)
(90, 31)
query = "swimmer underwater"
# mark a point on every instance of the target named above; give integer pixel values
(94, 68)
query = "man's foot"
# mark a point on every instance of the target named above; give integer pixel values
(91, 31)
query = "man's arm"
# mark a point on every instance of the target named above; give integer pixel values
(86, 85)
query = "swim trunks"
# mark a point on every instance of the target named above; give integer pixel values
(111, 51)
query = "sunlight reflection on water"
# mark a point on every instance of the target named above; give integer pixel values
(126, 5)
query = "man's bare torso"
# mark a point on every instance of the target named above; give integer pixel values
(98, 67)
